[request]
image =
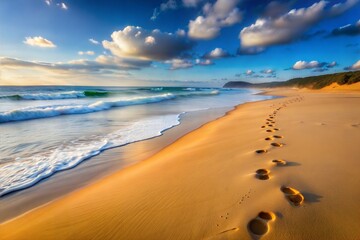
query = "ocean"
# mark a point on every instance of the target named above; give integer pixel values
(44, 130)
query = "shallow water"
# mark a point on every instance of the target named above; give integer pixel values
(48, 129)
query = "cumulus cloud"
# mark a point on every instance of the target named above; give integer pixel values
(300, 65)
(249, 72)
(136, 42)
(169, 5)
(267, 71)
(39, 42)
(101, 64)
(355, 66)
(48, 2)
(178, 63)
(216, 53)
(332, 64)
(215, 16)
(347, 30)
(93, 41)
(267, 31)
(191, 3)
(62, 6)
(86, 53)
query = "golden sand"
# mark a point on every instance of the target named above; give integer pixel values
(204, 186)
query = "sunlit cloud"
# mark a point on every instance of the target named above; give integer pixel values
(136, 42)
(39, 42)
(290, 26)
(217, 53)
(249, 72)
(300, 65)
(179, 63)
(222, 13)
(101, 64)
(355, 66)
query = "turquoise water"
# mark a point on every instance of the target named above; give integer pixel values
(44, 130)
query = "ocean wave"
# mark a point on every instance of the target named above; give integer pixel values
(56, 110)
(29, 113)
(56, 95)
(27, 171)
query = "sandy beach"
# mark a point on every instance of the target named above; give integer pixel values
(220, 181)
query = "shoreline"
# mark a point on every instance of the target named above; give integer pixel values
(209, 189)
(99, 166)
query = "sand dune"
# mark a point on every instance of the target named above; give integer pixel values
(203, 185)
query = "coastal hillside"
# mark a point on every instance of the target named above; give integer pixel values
(314, 82)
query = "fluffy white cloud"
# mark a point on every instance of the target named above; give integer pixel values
(191, 3)
(249, 72)
(300, 65)
(221, 14)
(93, 41)
(86, 53)
(355, 66)
(136, 42)
(39, 42)
(150, 40)
(48, 2)
(290, 26)
(217, 53)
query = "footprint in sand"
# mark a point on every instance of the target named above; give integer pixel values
(276, 129)
(277, 144)
(262, 126)
(270, 125)
(261, 151)
(277, 136)
(293, 196)
(279, 162)
(259, 226)
(269, 138)
(270, 130)
(262, 174)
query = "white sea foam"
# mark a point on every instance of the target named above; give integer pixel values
(56, 110)
(27, 171)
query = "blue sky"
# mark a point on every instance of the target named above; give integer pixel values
(175, 41)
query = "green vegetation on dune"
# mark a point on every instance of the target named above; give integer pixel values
(314, 82)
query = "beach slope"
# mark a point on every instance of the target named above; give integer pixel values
(205, 185)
